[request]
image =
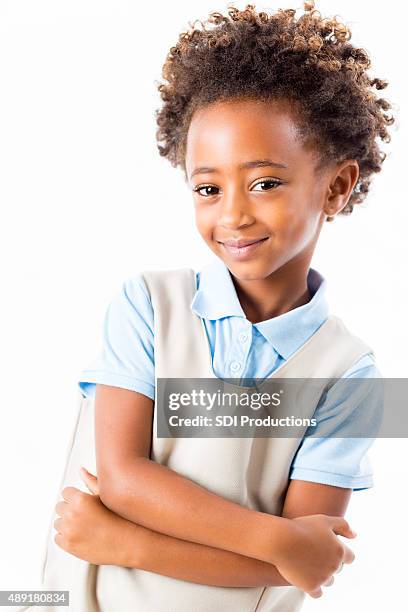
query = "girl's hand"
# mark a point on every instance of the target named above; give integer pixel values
(90, 480)
(312, 553)
(88, 529)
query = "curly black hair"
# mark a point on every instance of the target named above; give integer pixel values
(306, 61)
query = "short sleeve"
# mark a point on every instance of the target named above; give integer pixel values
(343, 461)
(126, 358)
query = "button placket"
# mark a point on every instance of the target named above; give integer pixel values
(235, 366)
(242, 348)
(243, 337)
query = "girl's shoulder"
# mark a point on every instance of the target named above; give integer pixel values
(176, 284)
(131, 305)
(136, 290)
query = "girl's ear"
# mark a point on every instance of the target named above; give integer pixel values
(341, 186)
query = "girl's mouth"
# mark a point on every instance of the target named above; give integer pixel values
(245, 252)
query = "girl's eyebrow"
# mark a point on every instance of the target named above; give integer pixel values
(256, 163)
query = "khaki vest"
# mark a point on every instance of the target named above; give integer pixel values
(252, 472)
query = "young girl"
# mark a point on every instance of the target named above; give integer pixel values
(273, 120)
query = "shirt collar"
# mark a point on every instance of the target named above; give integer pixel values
(216, 298)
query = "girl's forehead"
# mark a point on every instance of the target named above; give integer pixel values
(233, 128)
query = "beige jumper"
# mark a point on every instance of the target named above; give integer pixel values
(252, 472)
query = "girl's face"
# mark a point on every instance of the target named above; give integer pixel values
(253, 180)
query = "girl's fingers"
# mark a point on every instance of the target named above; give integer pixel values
(341, 527)
(61, 507)
(349, 556)
(317, 593)
(90, 480)
(57, 524)
(87, 474)
(91, 489)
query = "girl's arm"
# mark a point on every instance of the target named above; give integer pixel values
(305, 550)
(194, 562)
(92, 532)
(303, 498)
(153, 495)
(162, 554)
(100, 536)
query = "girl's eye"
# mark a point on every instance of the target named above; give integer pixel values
(269, 182)
(272, 182)
(200, 187)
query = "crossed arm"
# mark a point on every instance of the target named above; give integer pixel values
(179, 520)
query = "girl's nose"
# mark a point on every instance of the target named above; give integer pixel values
(234, 210)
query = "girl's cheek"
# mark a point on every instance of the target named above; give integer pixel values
(205, 225)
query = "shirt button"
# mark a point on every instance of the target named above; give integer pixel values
(242, 337)
(235, 366)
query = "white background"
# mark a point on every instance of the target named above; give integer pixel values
(87, 201)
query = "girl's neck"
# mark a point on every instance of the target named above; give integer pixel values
(270, 297)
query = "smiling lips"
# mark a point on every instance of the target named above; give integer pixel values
(242, 249)
(238, 244)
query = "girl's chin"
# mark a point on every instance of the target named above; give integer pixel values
(248, 270)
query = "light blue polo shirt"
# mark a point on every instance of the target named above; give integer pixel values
(241, 349)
